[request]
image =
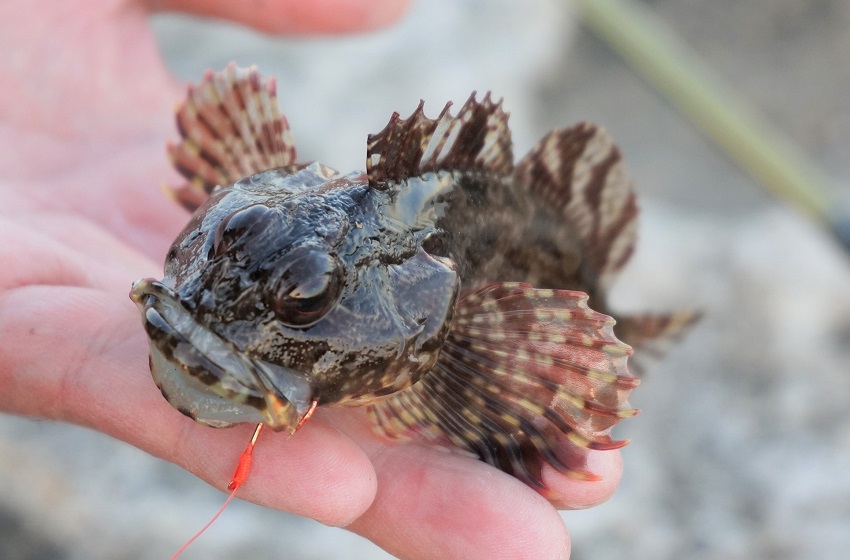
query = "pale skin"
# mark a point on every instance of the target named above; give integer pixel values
(85, 107)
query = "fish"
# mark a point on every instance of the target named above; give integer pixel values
(456, 295)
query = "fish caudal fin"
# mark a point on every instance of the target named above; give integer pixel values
(231, 128)
(527, 377)
(653, 334)
(477, 139)
(580, 172)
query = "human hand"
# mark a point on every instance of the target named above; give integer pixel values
(85, 108)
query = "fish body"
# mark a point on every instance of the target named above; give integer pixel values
(406, 288)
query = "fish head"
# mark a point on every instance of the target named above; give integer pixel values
(295, 286)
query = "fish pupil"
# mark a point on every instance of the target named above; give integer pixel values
(308, 288)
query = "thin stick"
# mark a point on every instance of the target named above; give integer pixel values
(668, 64)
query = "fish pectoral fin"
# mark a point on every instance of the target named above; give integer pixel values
(527, 377)
(653, 334)
(476, 140)
(580, 173)
(230, 128)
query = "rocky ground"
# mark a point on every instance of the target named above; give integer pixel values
(743, 447)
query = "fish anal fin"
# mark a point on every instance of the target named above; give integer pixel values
(476, 140)
(527, 377)
(230, 127)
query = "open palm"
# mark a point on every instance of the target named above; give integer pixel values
(85, 108)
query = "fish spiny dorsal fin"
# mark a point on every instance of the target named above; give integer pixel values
(231, 128)
(526, 377)
(653, 334)
(477, 139)
(580, 172)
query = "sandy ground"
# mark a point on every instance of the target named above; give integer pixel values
(743, 447)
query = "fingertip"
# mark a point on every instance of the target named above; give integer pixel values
(295, 16)
(570, 493)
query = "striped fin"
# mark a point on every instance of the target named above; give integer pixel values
(231, 128)
(477, 139)
(652, 335)
(580, 172)
(527, 377)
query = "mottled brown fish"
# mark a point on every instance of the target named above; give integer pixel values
(445, 288)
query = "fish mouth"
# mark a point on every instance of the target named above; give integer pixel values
(208, 378)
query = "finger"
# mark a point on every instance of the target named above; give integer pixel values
(433, 504)
(569, 493)
(319, 473)
(80, 355)
(123, 194)
(562, 491)
(295, 16)
(64, 250)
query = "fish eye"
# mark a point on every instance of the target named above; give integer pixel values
(308, 288)
(236, 225)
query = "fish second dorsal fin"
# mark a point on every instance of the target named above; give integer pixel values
(579, 171)
(230, 128)
(477, 139)
(526, 377)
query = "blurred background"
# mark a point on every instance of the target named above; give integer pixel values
(743, 446)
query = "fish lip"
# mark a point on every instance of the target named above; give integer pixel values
(197, 350)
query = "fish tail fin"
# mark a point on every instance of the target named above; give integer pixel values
(230, 128)
(651, 335)
(526, 378)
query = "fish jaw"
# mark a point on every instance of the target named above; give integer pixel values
(208, 378)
